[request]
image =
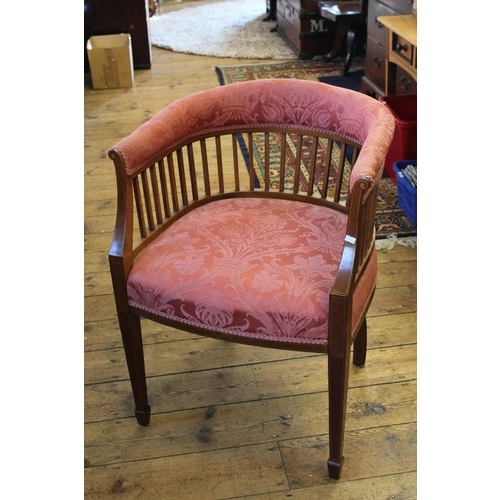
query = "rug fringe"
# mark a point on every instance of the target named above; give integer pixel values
(392, 240)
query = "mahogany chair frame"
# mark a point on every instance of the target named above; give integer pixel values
(160, 180)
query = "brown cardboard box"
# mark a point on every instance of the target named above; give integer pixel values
(111, 62)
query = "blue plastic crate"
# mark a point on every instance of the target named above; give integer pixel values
(407, 193)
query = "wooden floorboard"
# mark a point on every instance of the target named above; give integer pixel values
(232, 421)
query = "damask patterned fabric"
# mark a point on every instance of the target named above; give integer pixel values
(308, 104)
(257, 267)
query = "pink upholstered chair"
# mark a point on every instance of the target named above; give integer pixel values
(275, 248)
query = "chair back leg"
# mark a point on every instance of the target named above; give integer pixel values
(359, 351)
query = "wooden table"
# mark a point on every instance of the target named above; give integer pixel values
(349, 19)
(401, 47)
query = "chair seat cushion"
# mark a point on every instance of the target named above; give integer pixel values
(254, 267)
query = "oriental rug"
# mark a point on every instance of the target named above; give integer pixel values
(327, 71)
(392, 226)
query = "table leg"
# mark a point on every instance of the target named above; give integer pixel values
(340, 32)
(271, 12)
(351, 48)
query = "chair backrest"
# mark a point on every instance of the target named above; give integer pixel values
(287, 138)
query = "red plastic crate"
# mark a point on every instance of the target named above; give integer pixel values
(404, 142)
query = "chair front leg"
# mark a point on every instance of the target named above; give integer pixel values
(130, 326)
(338, 379)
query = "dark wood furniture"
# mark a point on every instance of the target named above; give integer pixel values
(270, 10)
(109, 17)
(269, 252)
(307, 32)
(350, 18)
(374, 82)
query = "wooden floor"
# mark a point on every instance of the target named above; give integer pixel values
(232, 421)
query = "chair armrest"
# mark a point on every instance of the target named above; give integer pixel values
(345, 278)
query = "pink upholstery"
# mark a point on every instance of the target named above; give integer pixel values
(256, 266)
(269, 101)
(218, 268)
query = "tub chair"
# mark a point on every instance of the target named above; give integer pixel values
(246, 213)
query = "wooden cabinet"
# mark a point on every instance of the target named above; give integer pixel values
(374, 82)
(401, 64)
(109, 17)
(300, 24)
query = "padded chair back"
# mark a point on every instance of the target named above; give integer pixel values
(191, 152)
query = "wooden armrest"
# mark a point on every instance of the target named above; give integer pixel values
(345, 276)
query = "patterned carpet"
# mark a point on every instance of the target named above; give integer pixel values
(391, 224)
(303, 69)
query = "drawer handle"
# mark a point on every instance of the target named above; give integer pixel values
(400, 47)
(405, 83)
(378, 62)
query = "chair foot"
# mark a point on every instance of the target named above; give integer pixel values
(143, 416)
(334, 468)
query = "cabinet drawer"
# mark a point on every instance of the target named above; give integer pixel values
(400, 6)
(402, 48)
(404, 84)
(375, 63)
(368, 88)
(376, 30)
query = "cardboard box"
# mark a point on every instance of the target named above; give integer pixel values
(111, 62)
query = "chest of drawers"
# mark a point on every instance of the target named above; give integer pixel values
(374, 82)
(401, 53)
